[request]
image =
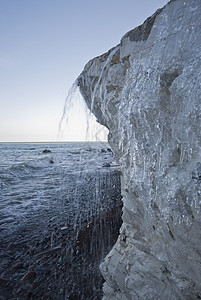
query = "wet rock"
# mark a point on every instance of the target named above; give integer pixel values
(28, 276)
(43, 255)
(18, 266)
(107, 165)
(103, 151)
(47, 151)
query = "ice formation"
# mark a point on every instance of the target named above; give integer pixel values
(147, 92)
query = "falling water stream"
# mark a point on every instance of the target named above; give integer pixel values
(96, 226)
(97, 85)
(77, 122)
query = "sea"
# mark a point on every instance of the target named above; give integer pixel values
(34, 176)
(60, 214)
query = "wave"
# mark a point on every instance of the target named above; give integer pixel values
(23, 169)
(33, 164)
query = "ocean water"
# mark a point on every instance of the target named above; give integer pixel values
(60, 214)
(32, 181)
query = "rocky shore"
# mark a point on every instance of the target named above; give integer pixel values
(54, 255)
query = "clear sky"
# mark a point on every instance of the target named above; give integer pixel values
(44, 45)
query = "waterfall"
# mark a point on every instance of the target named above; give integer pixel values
(97, 204)
(77, 122)
(96, 207)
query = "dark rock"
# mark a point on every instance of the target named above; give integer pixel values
(47, 151)
(197, 174)
(107, 165)
(103, 151)
(17, 266)
(142, 32)
(28, 276)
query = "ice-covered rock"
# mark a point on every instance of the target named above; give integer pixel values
(147, 91)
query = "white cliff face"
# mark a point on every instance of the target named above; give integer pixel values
(149, 96)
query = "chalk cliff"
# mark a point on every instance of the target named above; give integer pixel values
(147, 91)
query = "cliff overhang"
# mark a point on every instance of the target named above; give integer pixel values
(146, 90)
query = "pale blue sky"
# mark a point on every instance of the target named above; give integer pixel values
(44, 45)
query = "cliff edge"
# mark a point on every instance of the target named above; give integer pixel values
(147, 91)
